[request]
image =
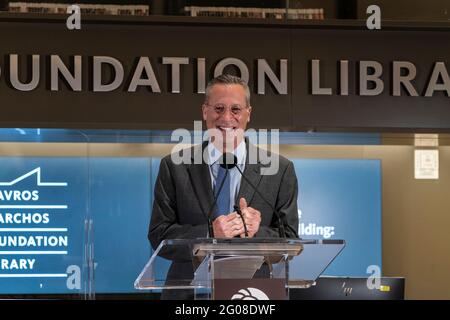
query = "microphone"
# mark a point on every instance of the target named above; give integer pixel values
(281, 229)
(228, 161)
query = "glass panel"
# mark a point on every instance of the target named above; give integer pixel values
(351, 186)
(186, 256)
(123, 169)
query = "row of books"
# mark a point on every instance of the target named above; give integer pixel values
(193, 11)
(61, 8)
(261, 13)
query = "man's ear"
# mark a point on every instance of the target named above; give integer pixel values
(249, 113)
(204, 112)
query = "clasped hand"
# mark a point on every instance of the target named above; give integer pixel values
(231, 225)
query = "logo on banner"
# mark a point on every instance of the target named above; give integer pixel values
(250, 294)
(24, 221)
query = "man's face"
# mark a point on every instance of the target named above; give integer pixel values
(227, 112)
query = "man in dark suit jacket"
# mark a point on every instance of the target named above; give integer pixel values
(183, 197)
(184, 192)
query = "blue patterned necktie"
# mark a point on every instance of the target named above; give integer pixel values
(223, 198)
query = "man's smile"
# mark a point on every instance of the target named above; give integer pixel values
(226, 128)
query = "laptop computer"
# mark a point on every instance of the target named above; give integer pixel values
(351, 288)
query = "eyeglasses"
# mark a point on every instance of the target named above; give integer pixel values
(220, 109)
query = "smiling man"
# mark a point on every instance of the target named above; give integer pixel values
(199, 200)
(185, 193)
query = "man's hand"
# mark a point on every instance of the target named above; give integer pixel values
(228, 226)
(252, 218)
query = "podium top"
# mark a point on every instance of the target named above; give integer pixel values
(239, 248)
(176, 262)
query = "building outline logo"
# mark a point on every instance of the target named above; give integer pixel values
(39, 182)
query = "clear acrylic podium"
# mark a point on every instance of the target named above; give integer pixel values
(249, 269)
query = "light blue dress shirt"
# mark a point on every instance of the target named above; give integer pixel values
(235, 177)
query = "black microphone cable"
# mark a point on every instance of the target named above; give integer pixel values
(229, 161)
(281, 230)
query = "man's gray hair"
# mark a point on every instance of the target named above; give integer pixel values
(227, 79)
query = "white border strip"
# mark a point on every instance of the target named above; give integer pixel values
(34, 275)
(32, 252)
(33, 207)
(33, 229)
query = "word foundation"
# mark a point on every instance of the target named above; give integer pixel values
(108, 73)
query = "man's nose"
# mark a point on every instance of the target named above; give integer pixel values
(227, 114)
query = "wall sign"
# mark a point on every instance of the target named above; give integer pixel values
(152, 75)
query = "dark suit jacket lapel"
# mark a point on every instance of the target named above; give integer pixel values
(252, 172)
(201, 179)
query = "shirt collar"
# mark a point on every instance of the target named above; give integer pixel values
(214, 154)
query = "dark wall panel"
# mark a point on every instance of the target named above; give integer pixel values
(355, 111)
(299, 44)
